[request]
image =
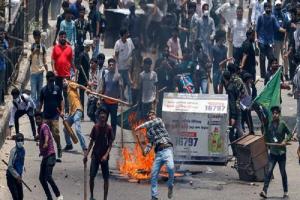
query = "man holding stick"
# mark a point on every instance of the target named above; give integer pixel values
(48, 162)
(76, 111)
(101, 142)
(276, 134)
(15, 168)
(158, 137)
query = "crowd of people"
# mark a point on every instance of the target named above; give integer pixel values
(201, 47)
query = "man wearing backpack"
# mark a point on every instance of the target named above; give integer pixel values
(22, 104)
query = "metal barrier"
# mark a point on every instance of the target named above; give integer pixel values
(15, 34)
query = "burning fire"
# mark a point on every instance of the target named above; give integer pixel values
(134, 164)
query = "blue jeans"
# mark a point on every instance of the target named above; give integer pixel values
(162, 157)
(125, 78)
(217, 77)
(36, 82)
(75, 118)
(96, 50)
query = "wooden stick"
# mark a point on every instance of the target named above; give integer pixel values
(278, 144)
(139, 143)
(85, 182)
(21, 179)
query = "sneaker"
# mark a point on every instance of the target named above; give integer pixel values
(59, 153)
(58, 160)
(263, 194)
(68, 147)
(170, 192)
(285, 195)
(60, 197)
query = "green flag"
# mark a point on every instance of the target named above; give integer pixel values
(270, 96)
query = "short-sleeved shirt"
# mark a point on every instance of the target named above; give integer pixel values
(51, 96)
(94, 17)
(62, 56)
(70, 29)
(111, 86)
(44, 131)
(148, 82)
(125, 52)
(249, 50)
(74, 99)
(238, 31)
(38, 54)
(102, 136)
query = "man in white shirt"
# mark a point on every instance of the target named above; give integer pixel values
(22, 104)
(257, 10)
(228, 12)
(237, 34)
(123, 55)
(174, 46)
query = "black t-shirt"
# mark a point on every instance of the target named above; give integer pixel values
(51, 96)
(103, 139)
(249, 49)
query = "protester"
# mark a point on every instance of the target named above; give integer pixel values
(75, 115)
(174, 46)
(237, 34)
(83, 69)
(98, 26)
(279, 37)
(15, 168)
(202, 68)
(257, 10)
(82, 28)
(158, 137)
(148, 89)
(111, 88)
(246, 101)
(102, 137)
(133, 24)
(68, 25)
(48, 162)
(22, 104)
(92, 86)
(123, 55)
(52, 101)
(228, 12)
(206, 30)
(62, 62)
(266, 27)
(277, 132)
(38, 64)
(60, 18)
(219, 55)
(101, 71)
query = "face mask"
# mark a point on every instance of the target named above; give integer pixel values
(206, 13)
(20, 145)
(268, 12)
(62, 41)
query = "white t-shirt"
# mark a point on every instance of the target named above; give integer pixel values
(125, 52)
(238, 31)
(148, 81)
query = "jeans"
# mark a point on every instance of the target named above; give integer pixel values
(2, 85)
(236, 132)
(203, 86)
(45, 177)
(265, 50)
(125, 78)
(96, 49)
(273, 159)
(162, 157)
(36, 82)
(217, 77)
(113, 112)
(46, 5)
(19, 114)
(75, 119)
(91, 109)
(15, 187)
(59, 83)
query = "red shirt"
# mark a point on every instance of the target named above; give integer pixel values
(62, 56)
